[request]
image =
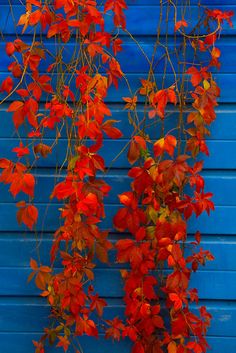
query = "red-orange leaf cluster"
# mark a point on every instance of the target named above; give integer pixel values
(156, 210)
(158, 205)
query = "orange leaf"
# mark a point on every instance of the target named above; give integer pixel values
(43, 149)
(28, 184)
(28, 215)
(111, 131)
(14, 106)
(179, 24)
(63, 342)
(33, 264)
(134, 152)
(158, 147)
(140, 141)
(172, 348)
(35, 17)
(170, 144)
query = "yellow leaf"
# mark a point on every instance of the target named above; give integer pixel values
(152, 214)
(206, 84)
(172, 348)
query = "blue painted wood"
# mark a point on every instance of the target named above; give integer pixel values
(219, 223)
(22, 313)
(228, 95)
(115, 153)
(221, 184)
(143, 53)
(22, 342)
(210, 284)
(136, 19)
(23, 248)
(223, 128)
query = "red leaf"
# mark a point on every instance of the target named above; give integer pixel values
(15, 69)
(27, 215)
(7, 85)
(179, 24)
(114, 72)
(28, 184)
(160, 100)
(21, 150)
(140, 141)
(63, 342)
(111, 131)
(98, 304)
(22, 92)
(63, 190)
(10, 48)
(177, 301)
(35, 17)
(118, 7)
(197, 76)
(14, 106)
(35, 3)
(134, 152)
(116, 46)
(138, 348)
(166, 144)
(5, 163)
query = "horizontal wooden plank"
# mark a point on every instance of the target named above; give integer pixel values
(225, 81)
(141, 56)
(223, 128)
(221, 184)
(22, 343)
(114, 153)
(18, 315)
(217, 285)
(23, 248)
(135, 15)
(228, 95)
(219, 223)
(150, 17)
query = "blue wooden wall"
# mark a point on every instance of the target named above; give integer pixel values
(23, 313)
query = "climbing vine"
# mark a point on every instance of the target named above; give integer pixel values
(74, 89)
(166, 190)
(57, 93)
